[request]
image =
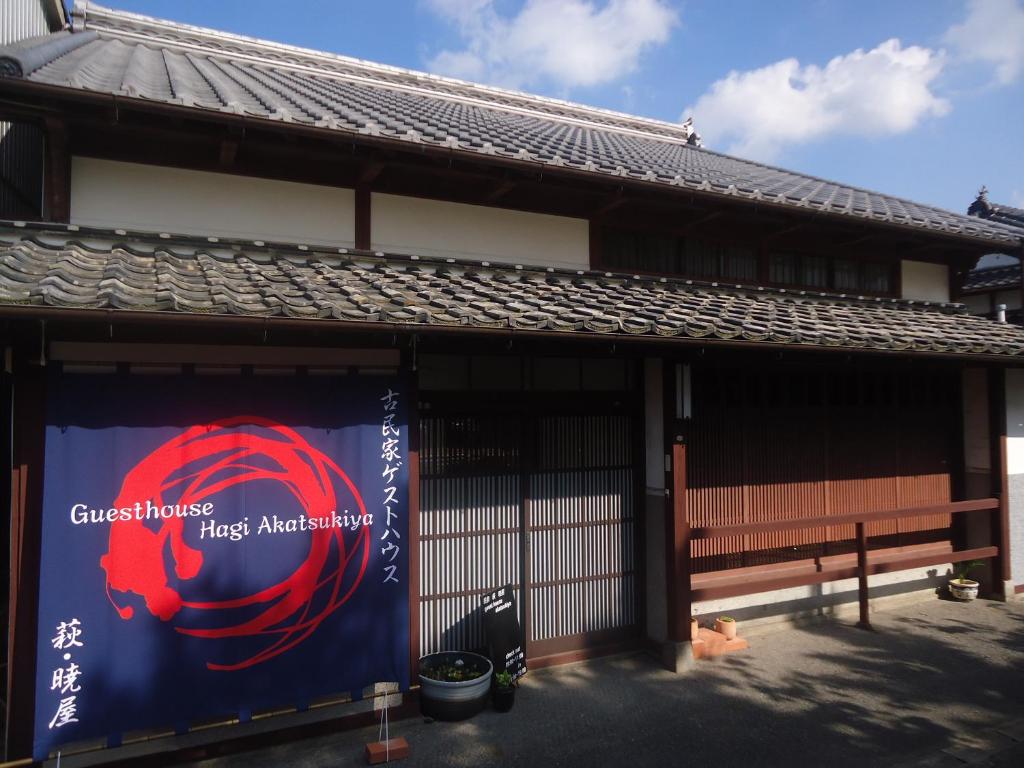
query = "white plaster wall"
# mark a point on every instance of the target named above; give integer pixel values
(654, 501)
(107, 193)
(925, 282)
(1014, 421)
(1015, 469)
(454, 230)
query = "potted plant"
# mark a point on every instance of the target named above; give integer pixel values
(504, 693)
(694, 629)
(726, 625)
(960, 586)
(454, 685)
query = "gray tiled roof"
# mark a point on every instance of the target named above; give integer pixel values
(139, 58)
(99, 269)
(1007, 214)
(997, 212)
(983, 279)
(993, 278)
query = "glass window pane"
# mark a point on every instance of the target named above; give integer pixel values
(876, 277)
(814, 271)
(700, 260)
(846, 275)
(658, 254)
(782, 268)
(740, 264)
(619, 250)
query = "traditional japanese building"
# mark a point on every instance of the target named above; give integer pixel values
(994, 288)
(644, 380)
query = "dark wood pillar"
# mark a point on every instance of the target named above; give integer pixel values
(363, 217)
(1000, 517)
(862, 578)
(57, 173)
(413, 458)
(29, 418)
(677, 527)
(678, 564)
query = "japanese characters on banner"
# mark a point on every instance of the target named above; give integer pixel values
(218, 546)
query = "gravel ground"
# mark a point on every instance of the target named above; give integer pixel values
(937, 684)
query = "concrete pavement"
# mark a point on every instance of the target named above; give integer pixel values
(937, 684)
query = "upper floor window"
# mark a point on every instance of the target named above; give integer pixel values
(676, 255)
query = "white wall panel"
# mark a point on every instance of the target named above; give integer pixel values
(107, 193)
(923, 281)
(455, 230)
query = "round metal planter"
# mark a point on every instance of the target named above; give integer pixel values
(963, 590)
(458, 700)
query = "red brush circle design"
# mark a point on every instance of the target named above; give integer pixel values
(201, 462)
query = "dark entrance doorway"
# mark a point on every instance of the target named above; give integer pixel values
(538, 490)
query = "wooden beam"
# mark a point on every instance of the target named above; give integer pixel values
(709, 216)
(212, 354)
(228, 153)
(782, 232)
(859, 239)
(919, 250)
(609, 205)
(370, 173)
(500, 190)
(776, 526)
(770, 583)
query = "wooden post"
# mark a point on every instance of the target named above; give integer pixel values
(29, 385)
(57, 174)
(412, 409)
(999, 525)
(363, 236)
(862, 577)
(678, 565)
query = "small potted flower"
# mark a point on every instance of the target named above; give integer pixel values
(504, 693)
(726, 625)
(960, 586)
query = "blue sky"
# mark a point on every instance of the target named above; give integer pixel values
(918, 98)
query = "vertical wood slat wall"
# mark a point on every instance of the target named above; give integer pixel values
(470, 516)
(582, 526)
(580, 478)
(767, 445)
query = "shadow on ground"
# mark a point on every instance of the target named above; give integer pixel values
(825, 695)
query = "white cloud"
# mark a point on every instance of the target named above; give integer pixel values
(886, 90)
(993, 32)
(566, 42)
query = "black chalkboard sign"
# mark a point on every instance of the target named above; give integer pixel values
(504, 636)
